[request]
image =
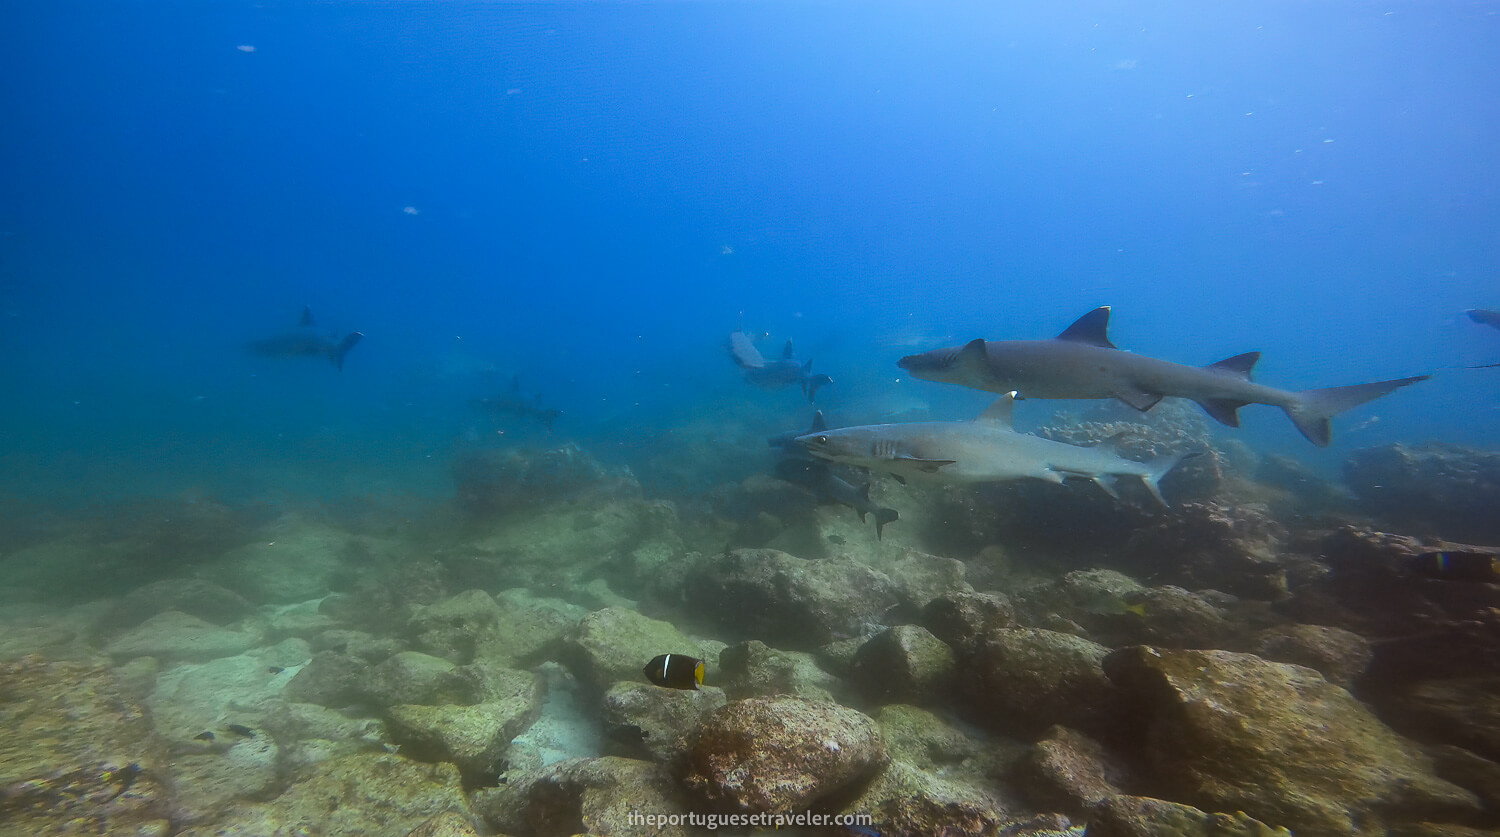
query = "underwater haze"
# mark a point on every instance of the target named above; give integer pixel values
(592, 195)
(811, 419)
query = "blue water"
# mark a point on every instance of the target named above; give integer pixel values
(599, 192)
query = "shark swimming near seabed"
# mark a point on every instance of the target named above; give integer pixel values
(774, 373)
(799, 467)
(987, 449)
(1082, 363)
(306, 341)
(516, 405)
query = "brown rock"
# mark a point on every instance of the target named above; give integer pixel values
(781, 754)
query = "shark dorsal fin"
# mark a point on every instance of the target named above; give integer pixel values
(819, 423)
(1000, 413)
(515, 383)
(1091, 329)
(307, 317)
(1239, 366)
(788, 350)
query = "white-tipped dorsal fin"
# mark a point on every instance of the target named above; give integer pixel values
(999, 414)
(1091, 329)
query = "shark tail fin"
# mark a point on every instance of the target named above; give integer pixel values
(1160, 467)
(343, 348)
(811, 383)
(1314, 407)
(882, 517)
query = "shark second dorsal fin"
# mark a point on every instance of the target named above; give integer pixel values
(788, 350)
(1091, 329)
(1239, 366)
(307, 318)
(1001, 413)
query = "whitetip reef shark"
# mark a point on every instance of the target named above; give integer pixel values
(1082, 363)
(306, 341)
(987, 449)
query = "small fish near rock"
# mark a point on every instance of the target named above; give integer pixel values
(675, 671)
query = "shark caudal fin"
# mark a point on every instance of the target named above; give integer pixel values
(1314, 407)
(337, 355)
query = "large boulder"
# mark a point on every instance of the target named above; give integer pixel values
(650, 722)
(754, 669)
(1441, 490)
(788, 601)
(905, 664)
(1023, 680)
(475, 733)
(780, 754)
(1226, 731)
(177, 637)
(615, 644)
(605, 797)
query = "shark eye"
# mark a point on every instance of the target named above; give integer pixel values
(822, 440)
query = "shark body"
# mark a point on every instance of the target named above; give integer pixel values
(780, 372)
(1082, 363)
(987, 449)
(306, 341)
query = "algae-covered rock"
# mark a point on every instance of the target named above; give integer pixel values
(79, 756)
(788, 601)
(963, 619)
(1068, 771)
(514, 627)
(295, 561)
(646, 721)
(1024, 680)
(364, 793)
(615, 644)
(474, 730)
(780, 754)
(193, 596)
(207, 784)
(753, 669)
(1233, 732)
(1339, 655)
(414, 677)
(1141, 816)
(939, 778)
(447, 824)
(178, 637)
(905, 664)
(605, 797)
(330, 679)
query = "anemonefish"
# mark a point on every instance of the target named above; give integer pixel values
(675, 671)
(1455, 565)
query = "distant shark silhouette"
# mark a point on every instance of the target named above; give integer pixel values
(306, 341)
(774, 373)
(1082, 363)
(513, 403)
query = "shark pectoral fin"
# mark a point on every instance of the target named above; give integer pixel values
(1223, 410)
(343, 347)
(926, 466)
(1138, 398)
(1239, 366)
(972, 358)
(1000, 413)
(1091, 329)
